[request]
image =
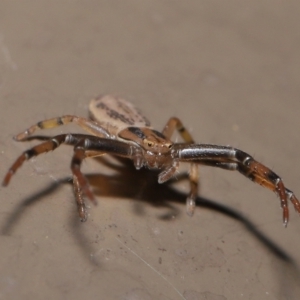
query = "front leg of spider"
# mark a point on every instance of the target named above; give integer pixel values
(80, 183)
(234, 159)
(96, 146)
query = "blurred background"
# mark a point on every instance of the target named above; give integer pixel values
(230, 70)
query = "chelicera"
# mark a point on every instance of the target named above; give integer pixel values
(116, 127)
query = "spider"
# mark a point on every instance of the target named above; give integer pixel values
(118, 128)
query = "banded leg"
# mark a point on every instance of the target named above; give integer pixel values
(84, 146)
(264, 176)
(172, 124)
(88, 125)
(80, 184)
(274, 186)
(49, 145)
(91, 147)
(235, 159)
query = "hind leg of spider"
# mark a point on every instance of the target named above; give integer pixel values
(172, 124)
(88, 125)
(49, 145)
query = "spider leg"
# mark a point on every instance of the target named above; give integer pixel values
(88, 125)
(91, 146)
(80, 183)
(44, 147)
(234, 159)
(84, 146)
(79, 177)
(172, 124)
(79, 200)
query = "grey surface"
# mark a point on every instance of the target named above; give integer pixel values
(229, 69)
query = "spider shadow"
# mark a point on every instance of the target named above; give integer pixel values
(141, 185)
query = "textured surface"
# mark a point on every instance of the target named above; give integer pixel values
(230, 70)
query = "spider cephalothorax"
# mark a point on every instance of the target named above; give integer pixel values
(116, 127)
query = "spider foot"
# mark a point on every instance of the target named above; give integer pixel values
(190, 206)
(87, 191)
(21, 136)
(294, 200)
(82, 186)
(285, 216)
(7, 177)
(81, 207)
(82, 212)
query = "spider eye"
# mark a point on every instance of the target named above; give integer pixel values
(148, 143)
